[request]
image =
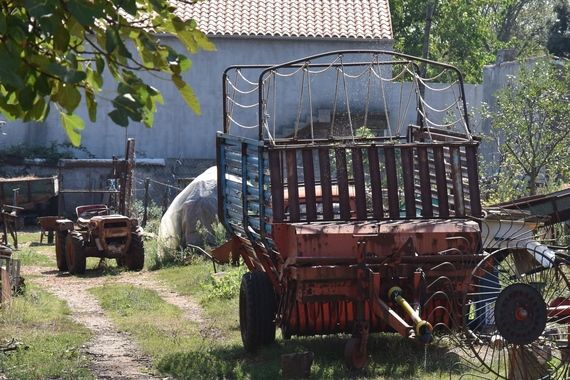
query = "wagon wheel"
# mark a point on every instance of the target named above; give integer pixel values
(134, 257)
(257, 307)
(60, 239)
(75, 253)
(517, 315)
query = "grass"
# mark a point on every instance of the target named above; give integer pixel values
(32, 252)
(391, 356)
(158, 327)
(30, 256)
(184, 350)
(50, 341)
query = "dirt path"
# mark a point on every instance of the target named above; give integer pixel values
(113, 354)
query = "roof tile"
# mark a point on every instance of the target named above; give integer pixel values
(359, 19)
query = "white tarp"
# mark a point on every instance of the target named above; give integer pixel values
(196, 203)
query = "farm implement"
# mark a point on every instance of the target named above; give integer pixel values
(349, 184)
(99, 231)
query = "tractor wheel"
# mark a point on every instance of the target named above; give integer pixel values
(134, 258)
(75, 253)
(60, 238)
(355, 357)
(120, 261)
(257, 307)
(517, 305)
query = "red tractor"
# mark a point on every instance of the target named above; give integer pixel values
(97, 233)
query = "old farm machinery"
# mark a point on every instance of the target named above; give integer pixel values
(100, 231)
(349, 183)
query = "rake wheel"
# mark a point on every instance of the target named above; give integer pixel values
(517, 315)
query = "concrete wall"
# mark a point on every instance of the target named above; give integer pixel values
(177, 132)
(495, 77)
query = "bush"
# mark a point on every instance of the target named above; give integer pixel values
(224, 285)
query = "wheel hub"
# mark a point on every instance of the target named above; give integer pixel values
(520, 314)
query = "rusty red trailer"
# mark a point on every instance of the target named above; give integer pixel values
(354, 230)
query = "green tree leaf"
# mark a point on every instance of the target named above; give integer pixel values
(129, 5)
(187, 94)
(61, 38)
(73, 125)
(111, 40)
(69, 97)
(532, 126)
(26, 97)
(9, 69)
(119, 118)
(85, 12)
(62, 51)
(3, 25)
(91, 105)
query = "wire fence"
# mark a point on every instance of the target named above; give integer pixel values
(163, 193)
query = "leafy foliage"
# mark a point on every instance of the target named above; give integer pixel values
(226, 286)
(56, 53)
(51, 153)
(559, 33)
(532, 127)
(468, 33)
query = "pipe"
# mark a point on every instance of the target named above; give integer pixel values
(422, 328)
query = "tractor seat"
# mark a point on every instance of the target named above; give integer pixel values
(85, 213)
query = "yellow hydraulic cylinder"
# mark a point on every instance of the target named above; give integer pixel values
(422, 328)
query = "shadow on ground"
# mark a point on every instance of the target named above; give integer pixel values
(390, 357)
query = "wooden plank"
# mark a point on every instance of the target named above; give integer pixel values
(408, 177)
(309, 180)
(292, 185)
(326, 185)
(457, 181)
(392, 182)
(425, 185)
(375, 183)
(473, 177)
(6, 286)
(359, 185)
(441, 182)
(342, 182)
(277, 200)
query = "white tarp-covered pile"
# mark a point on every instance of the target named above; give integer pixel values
(196, 203)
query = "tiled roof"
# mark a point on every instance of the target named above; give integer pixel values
(360, 19)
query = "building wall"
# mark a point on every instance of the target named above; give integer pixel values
(495, 77)
(177, 132)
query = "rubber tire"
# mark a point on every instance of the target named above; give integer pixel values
(75, 253)
(60, 237)
(257, 307)
(353, 357)
(120, 261)
(134, 258)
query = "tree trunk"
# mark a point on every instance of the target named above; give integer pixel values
(532, 184)
(425, 48)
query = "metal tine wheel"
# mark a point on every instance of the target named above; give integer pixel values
(516, 315)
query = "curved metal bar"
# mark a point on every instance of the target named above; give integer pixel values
(364, 51)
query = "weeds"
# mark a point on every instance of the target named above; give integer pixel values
(225, 285)
(162, 256)
(212, 236)
(27, 256)
(154, 215)
(158, 326)
(50, 341)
